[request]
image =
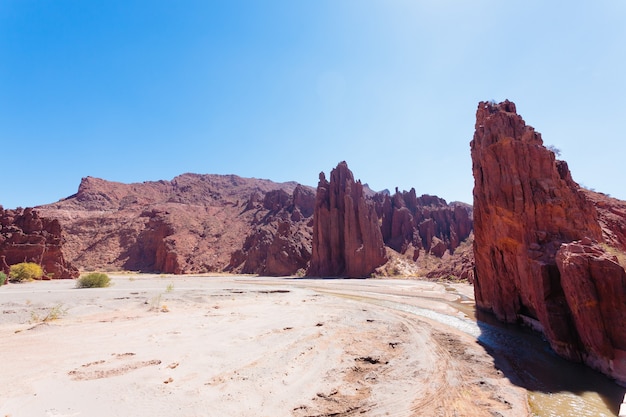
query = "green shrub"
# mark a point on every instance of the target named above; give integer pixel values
(25, 271)
(93, 280)
(3, 278)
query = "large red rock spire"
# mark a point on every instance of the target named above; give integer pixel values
(347, 241)
(536, 244)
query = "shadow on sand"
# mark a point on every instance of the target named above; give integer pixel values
(528, 361)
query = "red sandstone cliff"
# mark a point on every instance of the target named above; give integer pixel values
(534, 248)
(27, 237)
(347, 240)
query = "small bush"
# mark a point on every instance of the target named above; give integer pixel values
(94, 280)
(3, 278)
(556, 151)
(25, 271)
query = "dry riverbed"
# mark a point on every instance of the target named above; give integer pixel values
(243, 346)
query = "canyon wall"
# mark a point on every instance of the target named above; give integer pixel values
(192, 224)
(280, 242)
(540, 251)
(27, 237)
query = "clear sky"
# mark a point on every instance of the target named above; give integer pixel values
(134, 91)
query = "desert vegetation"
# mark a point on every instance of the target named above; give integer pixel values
(53, 313)
(25, 271)
(93, 280)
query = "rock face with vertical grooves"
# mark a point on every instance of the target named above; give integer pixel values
(537, 244)
(280, 244)
(347, 240)
(426, 223)
(594, 285)
(25, 236)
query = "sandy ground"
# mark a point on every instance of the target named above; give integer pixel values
(244, 346)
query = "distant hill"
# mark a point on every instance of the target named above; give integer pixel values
(191, 224)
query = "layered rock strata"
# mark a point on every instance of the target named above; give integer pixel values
(537, 244)
(27, 237)
(347, 240)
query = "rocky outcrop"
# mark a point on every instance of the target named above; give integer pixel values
(347, 241)
(427, 223)
(280, 244)
(27, 237)
(611, 217)
(192, 224)
(458, 265)
(594, 285)
(527, 213)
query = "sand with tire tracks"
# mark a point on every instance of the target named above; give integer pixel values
(242, 346)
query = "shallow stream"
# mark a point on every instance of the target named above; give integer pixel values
(556, 387)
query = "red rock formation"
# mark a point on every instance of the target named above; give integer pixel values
(347, 241)
(611, 216)
(192, 224)
(210, 223)
(457, 265)
(594, 284)
(27, 237)
(415, 222)
(527, 209)
(280, 244)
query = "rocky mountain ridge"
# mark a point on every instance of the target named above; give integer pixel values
(224, 223)
(188, 225)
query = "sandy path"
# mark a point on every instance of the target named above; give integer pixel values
(240, 346)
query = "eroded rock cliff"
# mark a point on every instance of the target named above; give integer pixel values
(347, 239)
(192, 224)
(426, 223)
(27, 237)
(280, 243)
(536, 246)
(594, 284)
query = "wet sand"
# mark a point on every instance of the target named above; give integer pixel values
(244, 346)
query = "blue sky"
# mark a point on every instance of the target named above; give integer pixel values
(134, 91)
